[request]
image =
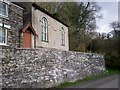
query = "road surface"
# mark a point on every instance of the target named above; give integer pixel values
(105, 82)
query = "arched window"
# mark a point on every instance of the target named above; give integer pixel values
(62, 37)
(44, 29)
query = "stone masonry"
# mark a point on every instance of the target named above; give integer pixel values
(15, 21)
(44, 67)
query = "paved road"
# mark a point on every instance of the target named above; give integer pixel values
(106, 82)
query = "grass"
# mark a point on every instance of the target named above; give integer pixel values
(92, 77)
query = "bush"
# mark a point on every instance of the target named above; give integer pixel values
(112, 61)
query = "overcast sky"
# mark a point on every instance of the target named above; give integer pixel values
(110, 13)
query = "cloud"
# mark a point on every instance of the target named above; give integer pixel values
(104, 29)
(110, 14)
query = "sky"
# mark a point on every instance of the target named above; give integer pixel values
(109, 11)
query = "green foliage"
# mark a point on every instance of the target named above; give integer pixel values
(81, 18)
(110, 47)
(112, 61)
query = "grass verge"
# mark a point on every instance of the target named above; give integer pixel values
(92, 77)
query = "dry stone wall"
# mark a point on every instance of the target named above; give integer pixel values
(43, 68)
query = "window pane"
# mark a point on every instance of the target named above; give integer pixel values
(43, 23)
(4, 32)
(1, 12)
(3, 9)
(2, 35)
(44, 29)
(44, 36)
(4, 13)
(62, 37)
(1, 5)
(4, 6)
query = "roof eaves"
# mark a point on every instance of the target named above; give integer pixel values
(29, 25)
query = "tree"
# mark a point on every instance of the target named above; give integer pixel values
(109, 46)
(116, 35)
(80, 16)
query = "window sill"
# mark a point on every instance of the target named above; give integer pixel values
(45, 41)
(4, 17)
(1, 44)
(62, 45)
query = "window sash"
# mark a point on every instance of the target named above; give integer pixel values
(3, 36)
(3, 9)
(44, 30)
(62, 37)
(44, 36)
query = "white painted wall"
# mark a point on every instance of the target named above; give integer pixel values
(54, 31)
(32, 37)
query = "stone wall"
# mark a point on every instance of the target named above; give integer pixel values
(15, 21)
(39, 68)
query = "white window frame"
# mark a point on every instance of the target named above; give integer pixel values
(5, 10)
(44, 29)
(5, 36)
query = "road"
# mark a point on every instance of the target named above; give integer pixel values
(105, 82)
